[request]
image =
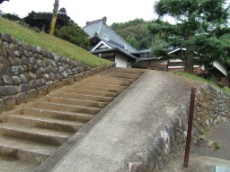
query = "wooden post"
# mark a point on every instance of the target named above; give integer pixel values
(189, 131)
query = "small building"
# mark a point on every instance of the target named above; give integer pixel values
(216, 71)
(107, 44)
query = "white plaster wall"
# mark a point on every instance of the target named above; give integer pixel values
(121, 61)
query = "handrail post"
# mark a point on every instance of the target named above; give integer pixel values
(189, 131)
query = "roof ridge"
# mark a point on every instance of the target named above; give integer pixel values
(121, 38)
(103, 20)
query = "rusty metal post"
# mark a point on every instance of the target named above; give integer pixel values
(189, 131)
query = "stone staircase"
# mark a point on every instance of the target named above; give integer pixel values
(29, 134)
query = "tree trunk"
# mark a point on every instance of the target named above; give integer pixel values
(54, 18)
(189, 62)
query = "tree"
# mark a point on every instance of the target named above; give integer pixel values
(201, 28)
(54, 18)
(74, 34)
(42, 20)
(62, 11)
(13, 17)
(131, 40)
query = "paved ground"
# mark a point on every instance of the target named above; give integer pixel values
(129, 125)
(197, 163)
(221, 135)
(204, 159)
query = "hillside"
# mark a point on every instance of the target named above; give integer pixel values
(50, 43)
(135, 32)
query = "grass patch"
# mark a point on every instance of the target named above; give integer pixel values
(200, 79)
(216, 145)
(196, 78)
(227, 90)
(205, 131)
(50, 43)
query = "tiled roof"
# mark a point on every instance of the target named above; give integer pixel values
(105, 33)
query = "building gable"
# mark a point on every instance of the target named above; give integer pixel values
(100, 29)
(101, 46)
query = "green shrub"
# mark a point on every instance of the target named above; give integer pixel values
(74, 34)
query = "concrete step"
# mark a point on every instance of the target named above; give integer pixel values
(124, 71)
(61, 115)
(126, 74)
(11, 165)
(43, 122)
(92, 92)
(65, 107)
(117, 75)
(107, 86)
(70, 101)
(117, 79)
(129, 71)
(111, 79)
(108, 83)
(100, 88)
(85, 97)
(25, 150)
(34, 134)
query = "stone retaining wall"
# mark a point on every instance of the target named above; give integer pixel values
(27, 71)
(212, 107)
(171, 139)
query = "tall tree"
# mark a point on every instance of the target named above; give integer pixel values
(201, 27)
(54, 18)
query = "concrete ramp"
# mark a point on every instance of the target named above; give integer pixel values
(132, 132)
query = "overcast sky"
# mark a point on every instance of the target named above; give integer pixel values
(86, 10)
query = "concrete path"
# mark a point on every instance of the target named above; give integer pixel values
(197, 163)
(127, 127)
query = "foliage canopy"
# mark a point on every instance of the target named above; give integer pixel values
(42, 20)
(201, 26)
(135, 32)
(74, 34)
